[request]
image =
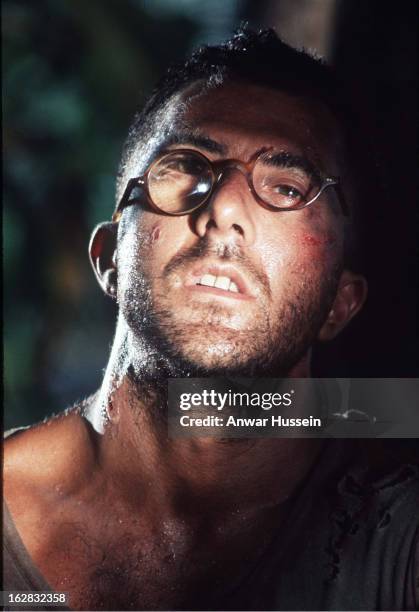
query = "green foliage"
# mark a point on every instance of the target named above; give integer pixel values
(74, 73)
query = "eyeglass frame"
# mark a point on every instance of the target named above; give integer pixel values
(246, 168)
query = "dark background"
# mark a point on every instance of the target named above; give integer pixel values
(75, 71)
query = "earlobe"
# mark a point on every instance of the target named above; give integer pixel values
(350, 297)
(102, 252)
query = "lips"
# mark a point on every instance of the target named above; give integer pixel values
(219, 280)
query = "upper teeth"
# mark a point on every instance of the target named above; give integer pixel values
(220, 282)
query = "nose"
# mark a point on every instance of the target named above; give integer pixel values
(228, 214)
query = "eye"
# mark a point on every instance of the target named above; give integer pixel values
(288, 191)
(184, 165)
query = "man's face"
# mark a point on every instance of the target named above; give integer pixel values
(284, 266)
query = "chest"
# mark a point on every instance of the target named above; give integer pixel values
(169, 567)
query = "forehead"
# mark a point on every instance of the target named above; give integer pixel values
(243, 117)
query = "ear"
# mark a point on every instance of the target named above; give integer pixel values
(350, 297)
(102, 252)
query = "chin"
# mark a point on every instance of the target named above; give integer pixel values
(222, 354)
(219, 355)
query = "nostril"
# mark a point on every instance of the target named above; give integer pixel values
(238, 229)
(210, 224)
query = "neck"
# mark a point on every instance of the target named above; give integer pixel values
(170, 474)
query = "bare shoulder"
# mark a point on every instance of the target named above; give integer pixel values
(48, 473)
(44, 462)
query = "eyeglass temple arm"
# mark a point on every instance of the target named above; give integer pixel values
(335, 183)
(124, 202)
(341, 197)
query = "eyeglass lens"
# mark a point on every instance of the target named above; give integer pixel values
(180, 181)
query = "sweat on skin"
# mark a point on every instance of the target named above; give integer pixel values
(124, 502)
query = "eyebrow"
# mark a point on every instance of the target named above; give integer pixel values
(196, 139)
(285, 159)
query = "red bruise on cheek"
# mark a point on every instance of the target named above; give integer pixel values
(155, 233)
(328, 240)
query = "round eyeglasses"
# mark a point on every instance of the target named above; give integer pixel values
(181, 181)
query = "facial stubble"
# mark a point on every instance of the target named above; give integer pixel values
(163, 345)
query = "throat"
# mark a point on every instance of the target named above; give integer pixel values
(150, 469)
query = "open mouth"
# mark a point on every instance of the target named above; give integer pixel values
(219, 282)
(224, 281)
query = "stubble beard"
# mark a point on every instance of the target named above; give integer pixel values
(162, 345)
